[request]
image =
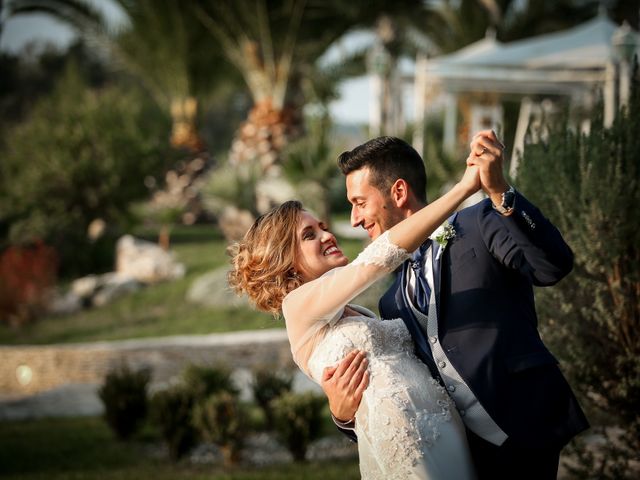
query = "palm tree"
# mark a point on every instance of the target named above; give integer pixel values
(274, 44)
(156, 46)
(160, 43)
(167, 49)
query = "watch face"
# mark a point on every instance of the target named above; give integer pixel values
(508, 198)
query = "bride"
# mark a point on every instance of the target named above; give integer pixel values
(289, 262)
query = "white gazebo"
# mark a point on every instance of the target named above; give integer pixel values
(577, 63)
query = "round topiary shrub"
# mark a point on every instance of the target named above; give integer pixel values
(221, 419)
(298, 419)
(124, 395)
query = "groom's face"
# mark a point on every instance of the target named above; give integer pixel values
(370, 208)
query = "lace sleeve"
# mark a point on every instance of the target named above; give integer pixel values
(383, 253)
(315, 304)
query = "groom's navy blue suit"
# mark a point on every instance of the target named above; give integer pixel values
(487, 321)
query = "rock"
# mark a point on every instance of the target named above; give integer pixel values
(94, 290)
(114, 285)
(85, 287)
(212, 290)
(146, 261)
(65, 304)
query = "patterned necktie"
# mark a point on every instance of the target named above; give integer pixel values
(421, 290)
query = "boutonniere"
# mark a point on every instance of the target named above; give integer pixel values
(442, 235)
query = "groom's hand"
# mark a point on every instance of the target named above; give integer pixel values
(344, 385)
(487, 154)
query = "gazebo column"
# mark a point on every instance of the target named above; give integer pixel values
(450, 122)
(609, 94)
(420, 104)
(526, 106)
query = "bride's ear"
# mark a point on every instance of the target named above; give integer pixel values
(400, 193)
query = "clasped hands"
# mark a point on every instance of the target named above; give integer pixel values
(486, 152)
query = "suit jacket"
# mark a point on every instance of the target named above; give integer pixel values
(487, 320)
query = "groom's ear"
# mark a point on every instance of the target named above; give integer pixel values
(400, 193)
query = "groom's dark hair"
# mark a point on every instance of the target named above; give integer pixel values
(388, 159)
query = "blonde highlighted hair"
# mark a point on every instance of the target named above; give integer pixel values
(263, 262)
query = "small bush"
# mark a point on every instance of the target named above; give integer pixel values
(298, 420)
(221, 419)
(268, 385)
(124, 395)
(172, 412)
(27, 275)
(203, 381)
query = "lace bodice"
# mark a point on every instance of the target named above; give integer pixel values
(378, 338)
(309, 309)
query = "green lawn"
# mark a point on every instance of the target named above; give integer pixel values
(83, 448)
(158, 310)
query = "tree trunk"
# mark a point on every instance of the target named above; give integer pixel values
(184, 133)
(266, 132)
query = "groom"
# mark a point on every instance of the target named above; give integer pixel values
(468, 303)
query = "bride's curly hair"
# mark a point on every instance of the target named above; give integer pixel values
(263, 261)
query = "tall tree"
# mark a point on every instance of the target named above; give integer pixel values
(167, 49)
(273, 44)
(160, 43)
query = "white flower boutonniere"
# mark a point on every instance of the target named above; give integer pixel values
(442, 235)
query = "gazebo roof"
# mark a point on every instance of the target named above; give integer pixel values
(549, 63)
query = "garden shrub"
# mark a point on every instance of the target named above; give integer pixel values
(81, 155)
(124, 395)
(298, 418)
(203, 381)
(221, 419)
(172, 411)
(589, 185)
(269, 384)
(27, 276)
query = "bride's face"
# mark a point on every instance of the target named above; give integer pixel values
(319, 250)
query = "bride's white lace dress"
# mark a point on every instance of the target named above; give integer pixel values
(406, 424)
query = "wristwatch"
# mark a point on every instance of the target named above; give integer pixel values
(508, 200)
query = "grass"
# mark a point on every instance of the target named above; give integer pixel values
(84, 448)
(158, 310)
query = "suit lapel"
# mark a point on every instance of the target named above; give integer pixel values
(437, 267)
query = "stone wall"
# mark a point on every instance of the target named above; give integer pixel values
(26, 370)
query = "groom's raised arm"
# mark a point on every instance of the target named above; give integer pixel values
(344, 385)
(520, 238)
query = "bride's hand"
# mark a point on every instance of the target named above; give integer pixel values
(470, 181)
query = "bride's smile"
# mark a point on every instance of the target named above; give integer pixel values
(318, 248)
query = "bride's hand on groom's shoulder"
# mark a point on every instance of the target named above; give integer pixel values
(344, 385)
